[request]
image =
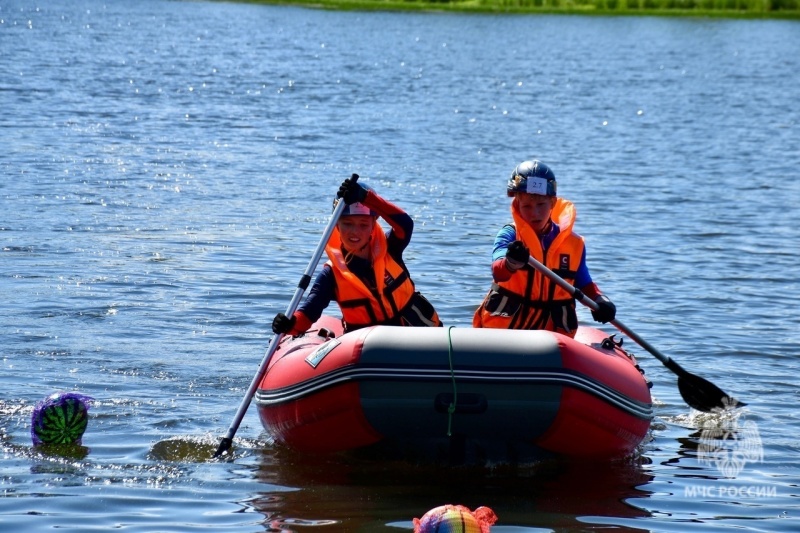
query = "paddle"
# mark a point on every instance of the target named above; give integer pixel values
(697, 392)
(227, 440)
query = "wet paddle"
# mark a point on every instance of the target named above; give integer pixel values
(697, 392)
(227, 440)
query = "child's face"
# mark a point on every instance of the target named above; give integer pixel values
(535, 209)
(355, 230)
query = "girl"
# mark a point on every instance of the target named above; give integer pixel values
(365, 272)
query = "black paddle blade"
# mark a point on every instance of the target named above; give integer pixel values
(700, 393)
(224, 445)
(703, 395)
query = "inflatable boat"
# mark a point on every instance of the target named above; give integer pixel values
(455, 394)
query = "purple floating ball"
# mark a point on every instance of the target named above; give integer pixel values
(61, 418)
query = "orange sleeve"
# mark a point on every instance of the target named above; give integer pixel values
(592, 291)
(400, 222)
(301, 324)
(500, 271)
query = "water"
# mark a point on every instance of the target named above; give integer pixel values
(168, 168)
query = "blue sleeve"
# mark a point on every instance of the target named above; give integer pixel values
(505, 236)
(319, 297)
(582, 276)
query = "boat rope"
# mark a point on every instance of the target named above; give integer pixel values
(452, 407)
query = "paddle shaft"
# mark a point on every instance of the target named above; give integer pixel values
(227, 440)
(697, 392)
(585, 300)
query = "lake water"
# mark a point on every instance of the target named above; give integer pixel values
(167, 169)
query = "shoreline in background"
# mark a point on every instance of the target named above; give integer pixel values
(733, 9)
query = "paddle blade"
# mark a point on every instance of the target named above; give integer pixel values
(703, 395)
(183, 449)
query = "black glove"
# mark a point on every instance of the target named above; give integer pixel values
(351, 192)
(607, 310)
(517, 256)
(282, 324)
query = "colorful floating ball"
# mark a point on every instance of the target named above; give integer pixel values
(455, 519)
(60, 418)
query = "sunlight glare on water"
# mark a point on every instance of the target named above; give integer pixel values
(169, 167)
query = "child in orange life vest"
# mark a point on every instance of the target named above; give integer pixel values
(521, 297)
(365, 272)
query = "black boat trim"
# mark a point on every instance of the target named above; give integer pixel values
(560, 377)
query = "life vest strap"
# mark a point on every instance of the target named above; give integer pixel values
(417, 312)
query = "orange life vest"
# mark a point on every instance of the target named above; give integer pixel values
(385, 303)
(530, 300)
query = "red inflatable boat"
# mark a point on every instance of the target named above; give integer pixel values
(456, 393)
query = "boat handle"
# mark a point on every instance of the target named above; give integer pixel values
(467, 403)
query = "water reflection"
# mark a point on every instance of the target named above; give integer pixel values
(355, 494)
(63, 451)
(720, 445)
